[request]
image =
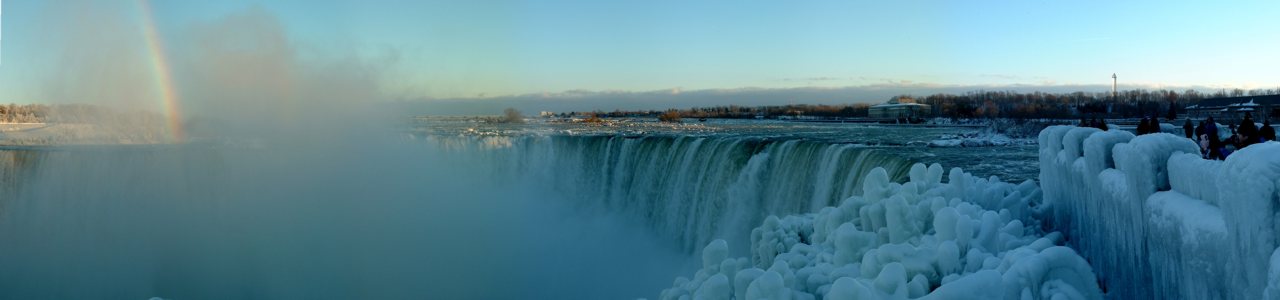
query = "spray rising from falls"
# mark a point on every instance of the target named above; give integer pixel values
(693, 189)
(163, 75)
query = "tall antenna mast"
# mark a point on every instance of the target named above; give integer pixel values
(1113, 86)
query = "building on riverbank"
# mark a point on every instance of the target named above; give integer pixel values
(898, 108)
(1233, 108)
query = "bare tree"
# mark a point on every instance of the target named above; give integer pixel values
(511, 115)
(671, 116)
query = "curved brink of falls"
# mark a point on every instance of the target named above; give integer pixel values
(693, 189)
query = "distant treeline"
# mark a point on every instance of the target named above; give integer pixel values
(27, 113)
(978, 104)
(738, 112)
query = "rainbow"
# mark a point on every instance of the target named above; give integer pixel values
(164, 78)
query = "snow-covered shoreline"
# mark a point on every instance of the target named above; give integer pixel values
(994, 133)
(979, 139)
(61, 134)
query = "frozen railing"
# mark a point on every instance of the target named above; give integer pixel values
(1156, 220)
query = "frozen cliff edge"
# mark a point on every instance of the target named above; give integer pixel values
(979, 140)
(1159, 222)
(969, 238)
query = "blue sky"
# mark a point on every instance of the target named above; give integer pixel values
(465, 49)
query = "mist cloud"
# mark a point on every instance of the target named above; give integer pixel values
(235, 75)
(244, 72)
(98, 56)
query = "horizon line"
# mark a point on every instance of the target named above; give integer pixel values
(926, 88)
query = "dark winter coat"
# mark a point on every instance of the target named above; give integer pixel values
(1248, 130)
(1188, 129)
(1211, 129)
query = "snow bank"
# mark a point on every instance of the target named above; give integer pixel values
(1155, 219)
(1247, 187)
(968, 238)
(1190, 175)
(1185, 237)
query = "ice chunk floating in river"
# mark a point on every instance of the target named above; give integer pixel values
(968, 238)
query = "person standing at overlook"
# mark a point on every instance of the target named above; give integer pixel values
(1267, 133)
(1189, 129)
(1215, 143)
(1248, 131)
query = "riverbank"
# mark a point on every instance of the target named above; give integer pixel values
(57, 134)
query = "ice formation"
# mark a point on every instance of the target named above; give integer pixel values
(1159, 222)
(968, 238)
(976, 140)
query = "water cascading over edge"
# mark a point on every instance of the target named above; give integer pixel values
(693, 189)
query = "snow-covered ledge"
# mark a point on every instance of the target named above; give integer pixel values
(1156, 220)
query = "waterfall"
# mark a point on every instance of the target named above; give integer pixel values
(201, 221)
(693, 189)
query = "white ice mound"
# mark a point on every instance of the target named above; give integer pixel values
(969, 238)
(1159, 222)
